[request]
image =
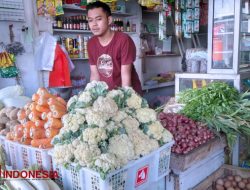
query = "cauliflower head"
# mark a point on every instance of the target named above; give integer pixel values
(63, 154)
(96, 84)
(85, 154)
(143, 145)
(94, 135)
(73, 121)
(130, 124)
(71, 103)
(96, 118)
(134, 101)
(85, 97)
(105, 105)
(145, 115)
(119, 116)
(122, 148)
(167, 136)
(107, 163)
(155, 130)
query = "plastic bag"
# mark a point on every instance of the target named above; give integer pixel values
(11, 91)
(18, 102)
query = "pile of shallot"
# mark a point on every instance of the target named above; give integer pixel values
(187, 133)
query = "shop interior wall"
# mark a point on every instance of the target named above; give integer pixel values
(25, 62)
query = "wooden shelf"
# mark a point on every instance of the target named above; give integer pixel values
(71, 31)
(80, 31)
(163, 55)
(148, 33)
(150, 11)
(79, 59)
(73, 7)
(160, 85)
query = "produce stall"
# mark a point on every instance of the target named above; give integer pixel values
(83, 136)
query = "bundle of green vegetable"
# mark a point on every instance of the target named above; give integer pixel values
(221, 107)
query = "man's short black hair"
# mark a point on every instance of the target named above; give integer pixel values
(99, 4)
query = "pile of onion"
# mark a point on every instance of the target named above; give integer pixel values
(232, 183)
(187, 133)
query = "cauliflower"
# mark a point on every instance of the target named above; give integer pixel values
(96, 84)
(105, 105)
(120, 115)
(73, 121)
(143, 145)
(63, 154)
(85, 154)
(122, 147)
(82, 111)
(85, 97)
(130, 124)
(118, 97)
(97, 88)
(134, 101)
(106, 163)
(111, 126)
(115, 93)
(128, 90)
(155, 130)
(145, 115)
(76, 142)
(71, 103)
(166, 136)
(94, 135)
(96, 118)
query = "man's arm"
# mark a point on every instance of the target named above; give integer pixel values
(94, 75)
(126, 72)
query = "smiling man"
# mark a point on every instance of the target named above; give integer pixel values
(111, 53)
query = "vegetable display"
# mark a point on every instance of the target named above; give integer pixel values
(187, 133)
(40, 120)
(104, 130)
(221, 107)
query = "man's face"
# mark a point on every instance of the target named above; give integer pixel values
(98, 21)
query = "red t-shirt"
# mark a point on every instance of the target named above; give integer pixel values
(109, 59)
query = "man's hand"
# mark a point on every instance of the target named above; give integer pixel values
(126, 71)
(94, 75)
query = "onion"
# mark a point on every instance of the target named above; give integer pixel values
(220, 182)
(237, 178)
(231, 178)
(219, 187)
(241, 185)
(248, 186)
(227, 184)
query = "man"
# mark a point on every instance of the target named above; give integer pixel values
(111, 54)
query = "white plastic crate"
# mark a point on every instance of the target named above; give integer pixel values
(138, 174)
(15, 160)
(24, 156)
(6, 148)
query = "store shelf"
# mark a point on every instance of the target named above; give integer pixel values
(223, 52)
(148, 33)
(73, 7)
(160, 85)
(150, 11)
(224, 20)
(163, 55)
(79, 59)
(224, 33)
(71, 31)
(80, 31)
